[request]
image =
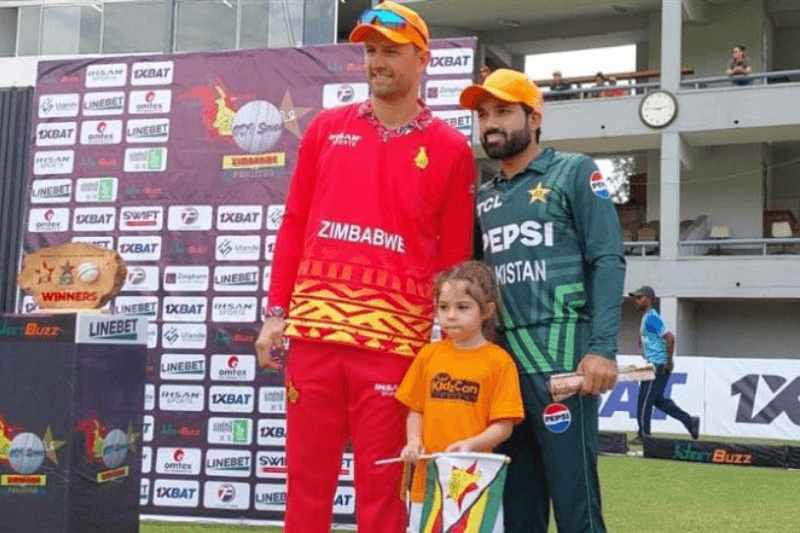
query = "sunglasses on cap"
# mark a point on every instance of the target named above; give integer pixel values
(387, 19)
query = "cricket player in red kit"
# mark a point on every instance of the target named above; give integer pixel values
(381, 200)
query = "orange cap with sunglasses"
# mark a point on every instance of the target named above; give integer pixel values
(395, 22)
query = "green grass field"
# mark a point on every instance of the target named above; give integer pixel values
(655, 496)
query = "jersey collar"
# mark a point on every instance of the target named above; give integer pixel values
(420, 122)
(539, 164)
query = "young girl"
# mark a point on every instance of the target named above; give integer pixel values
(463, 391)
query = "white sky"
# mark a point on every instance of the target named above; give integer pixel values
(583, 63)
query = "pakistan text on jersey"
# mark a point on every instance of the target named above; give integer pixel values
(354, 233)
(520, 272)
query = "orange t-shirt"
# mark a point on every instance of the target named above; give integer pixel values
(459, 393)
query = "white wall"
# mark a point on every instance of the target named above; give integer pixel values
(18, 71)
(726, 184)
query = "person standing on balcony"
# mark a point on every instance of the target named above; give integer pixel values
(381, 200)
(559, 85)
(600, 81)
(658, 346)
(738, 66)
(551, 233)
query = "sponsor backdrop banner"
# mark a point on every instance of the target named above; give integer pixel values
(757, 398)
(181, 164)
(71, 423)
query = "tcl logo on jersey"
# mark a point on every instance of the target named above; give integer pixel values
(493, 202)
(239, 217)
(147, 130)
(96, 132)
(229, 463)
(145, 159)
(51, 191)
(236, 278)
(94, 219)
(46, 220)
(272, 400)
(147, 459)
(451, 61)
(270, 497)
(226, 399)
(152, 73)
(144, 306)
(98, 240)
(187, 336)
(178, 461)
(444, 92)
(53, 163)
(103, 104)
(185, 308)
(56, 133)
(141, 218)
(59, 105)
(271, 432)
(233, 367)
(150, 102)
(96, 189)
(233, 309)
(189, 218)
(141, 278)
(530, 233)
(237, 431)
(139, 248)
(275, 216)
(226, 495)
(271, 465)
(181, 397)
(112, 75)
(336, 94)
(183, 367)
(186, 278)
(175, 493)
(238, 248)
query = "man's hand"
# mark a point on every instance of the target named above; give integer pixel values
(599, 374)
(412, 452)
(269, 338)
(466, 445)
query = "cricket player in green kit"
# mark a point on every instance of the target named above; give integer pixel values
(551, 234)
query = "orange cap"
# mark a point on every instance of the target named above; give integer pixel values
(415, 33)
(507, 85)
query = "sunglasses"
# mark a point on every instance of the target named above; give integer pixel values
(386, 19)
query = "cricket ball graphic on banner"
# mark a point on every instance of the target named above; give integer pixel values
(75, 275)
(257, 126)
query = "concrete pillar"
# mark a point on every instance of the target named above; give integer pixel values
(670, 197)
(668, 309)
(671, 34)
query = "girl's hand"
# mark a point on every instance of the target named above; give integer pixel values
(465, 445)
(412, 452)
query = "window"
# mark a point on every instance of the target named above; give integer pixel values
(70, 30)
(28, 31)
(136, 27)
(206, 25)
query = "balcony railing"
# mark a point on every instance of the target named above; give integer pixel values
(740, 247)
(757, 78)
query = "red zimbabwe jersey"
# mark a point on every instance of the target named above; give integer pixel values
(369, 220)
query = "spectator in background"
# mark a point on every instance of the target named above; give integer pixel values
(483, 73)
(658, 346)
(615, 91)
(600, 81)
(559, 85)
(738, 66)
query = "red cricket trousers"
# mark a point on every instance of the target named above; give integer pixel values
(340, 391)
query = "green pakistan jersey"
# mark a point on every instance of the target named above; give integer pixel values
(552, 237)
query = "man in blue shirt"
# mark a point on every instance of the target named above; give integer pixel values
(658, 345)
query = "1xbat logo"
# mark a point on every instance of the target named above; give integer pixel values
(786, 401)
